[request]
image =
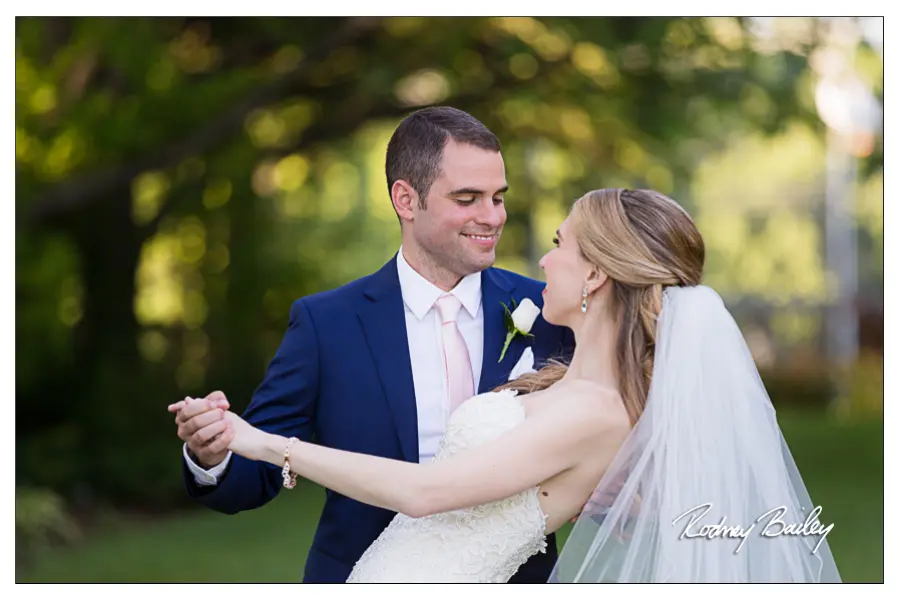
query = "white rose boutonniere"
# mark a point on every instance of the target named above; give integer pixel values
(519, 321)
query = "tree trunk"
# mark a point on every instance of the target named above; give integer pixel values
(239, 369)
(108, 372)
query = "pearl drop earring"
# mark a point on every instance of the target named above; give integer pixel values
(584, 300)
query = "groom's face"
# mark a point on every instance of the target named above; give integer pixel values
(464, 214)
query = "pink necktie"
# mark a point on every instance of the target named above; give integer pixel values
(460, 386)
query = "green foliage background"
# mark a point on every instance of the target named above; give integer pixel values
(180, 181)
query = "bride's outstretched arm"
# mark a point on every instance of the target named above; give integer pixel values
(541, 447)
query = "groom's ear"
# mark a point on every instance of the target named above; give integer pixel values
(405, 198)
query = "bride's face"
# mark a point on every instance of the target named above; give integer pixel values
(567, 271)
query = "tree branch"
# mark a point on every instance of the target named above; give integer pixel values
(80, 191)
(357, 111)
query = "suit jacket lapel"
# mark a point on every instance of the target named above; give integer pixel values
(384, 323)
(496, 289)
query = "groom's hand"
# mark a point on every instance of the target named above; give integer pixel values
(596, 506)
(202, 426)
(601, 500)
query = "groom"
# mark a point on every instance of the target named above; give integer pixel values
(373, 366)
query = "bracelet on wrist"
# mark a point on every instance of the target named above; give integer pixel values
(290, 479)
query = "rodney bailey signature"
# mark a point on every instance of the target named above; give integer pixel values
(775, 526)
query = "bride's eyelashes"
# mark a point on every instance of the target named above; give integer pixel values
(556, 241)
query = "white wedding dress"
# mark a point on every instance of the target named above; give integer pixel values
(483, 544)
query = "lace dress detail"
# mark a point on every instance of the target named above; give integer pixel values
(482, 544)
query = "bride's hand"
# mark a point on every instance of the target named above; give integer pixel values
(248, 441)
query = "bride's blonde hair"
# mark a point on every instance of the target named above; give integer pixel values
(643, 241)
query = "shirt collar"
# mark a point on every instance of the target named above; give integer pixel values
(419, 294)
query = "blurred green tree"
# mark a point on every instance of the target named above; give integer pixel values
(180, 181)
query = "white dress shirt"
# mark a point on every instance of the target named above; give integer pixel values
(423, 334)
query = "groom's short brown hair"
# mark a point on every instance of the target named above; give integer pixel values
(415, 151)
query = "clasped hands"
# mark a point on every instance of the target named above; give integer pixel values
(210, 430)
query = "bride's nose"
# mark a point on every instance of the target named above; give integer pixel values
(541, 262)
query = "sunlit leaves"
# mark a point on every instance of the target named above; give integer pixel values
(795, 327)
(371, 140)
(403, 26)
(635, 58)
(548, 165)
(153, 345)
(550, 44)
(792, 34)
(680, 35)
(518, 112)
(473, 74)
(192, 51)
(523, 66)
(280, 125)
(71, 305)
(191, 234)
(27, 79)
(217, 193)
(162, 76)
(660, 178)
(286, 58)
(263, 179)
(631, 155)
(195, 309)
(547, 215)
(218, 258)
(148, 192)
(266, 128)
(340, 189)
(422, 88)
(753, 206)
(65, 152)
(757, 102)
(591, 60)
(759, 173)
(291, 172)
(727, 31)
(870, 67)
(169, 288)
(870, 205)
(575, 124)
(28, 148)
(43, 99)
(870, 215)
(159, 294)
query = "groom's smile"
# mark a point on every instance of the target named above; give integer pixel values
(485, 241)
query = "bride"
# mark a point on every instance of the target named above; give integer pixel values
(660, 420)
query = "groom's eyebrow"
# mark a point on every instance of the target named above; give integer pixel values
(474, 192)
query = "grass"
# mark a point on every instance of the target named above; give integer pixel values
(842, 464)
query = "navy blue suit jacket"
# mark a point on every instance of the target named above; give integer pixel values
(342, 377)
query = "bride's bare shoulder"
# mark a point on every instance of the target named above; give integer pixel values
(600, 407)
